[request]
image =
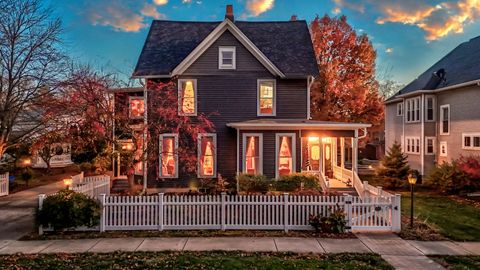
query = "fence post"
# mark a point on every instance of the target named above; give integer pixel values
(365, 189)
(223, 210)
(102, 215)
(379, 191)
(285, 212)
(348, 211)
(396, 213)
(160, 211)
(41, 197)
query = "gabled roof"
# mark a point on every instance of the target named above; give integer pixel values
(460, 66)
(286, 45)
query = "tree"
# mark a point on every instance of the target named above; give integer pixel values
(346, 89)
(30, 64)
(394, 168)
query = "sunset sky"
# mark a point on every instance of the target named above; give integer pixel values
(409, 35)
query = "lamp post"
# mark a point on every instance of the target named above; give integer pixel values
(412, 180)
(67, 182)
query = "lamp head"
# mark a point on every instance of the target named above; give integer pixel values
(412, 179)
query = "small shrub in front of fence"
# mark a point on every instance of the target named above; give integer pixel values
(253, 183)
(296, 181)
(334, 222)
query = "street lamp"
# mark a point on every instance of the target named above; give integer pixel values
(67, 182)
(412, 180)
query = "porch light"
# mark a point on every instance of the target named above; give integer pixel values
(27, 162)
(313, 139)
(67, 182)
(127, 146)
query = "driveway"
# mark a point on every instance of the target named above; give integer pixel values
(17, 210)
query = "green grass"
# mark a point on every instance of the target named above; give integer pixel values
(458, 262)
(452, 219)
(193, 260)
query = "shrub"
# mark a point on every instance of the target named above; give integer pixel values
(293, 182)
(86, 167)
(394, 169)
(68, 209)
(470, 167)
(445, 178)
(333, 223)
(253, 183)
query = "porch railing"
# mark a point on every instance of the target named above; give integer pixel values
(4, 184)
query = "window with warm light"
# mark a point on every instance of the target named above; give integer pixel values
(285, 149)
(266, 98)
(226, 58)
(187, 97)
(252, 153)
(136, 107)
(168, 155)
(207, 155)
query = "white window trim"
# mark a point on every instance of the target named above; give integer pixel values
(234, 57)
(434, 104)
(199, 150)
(400, 105)
(413, 102)
(413, 145)
(260, 152)
(294, 151)
(471, 135)
(259, 81)
(175, 149)
(446, 149)
(180, 94)
(441, 119)
(130, 98)
(426, 146)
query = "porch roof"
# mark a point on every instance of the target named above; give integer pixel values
(300, 124)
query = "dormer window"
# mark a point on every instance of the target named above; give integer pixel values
(226, 58)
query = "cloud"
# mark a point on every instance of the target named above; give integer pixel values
(151, 11)
(336, 11)
(160, 2)
(353, 5)
(257, 7)
(389, 50)
(120, 18)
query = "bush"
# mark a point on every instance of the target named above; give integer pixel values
(86, 167)
(333, 223)
(67, 210)
(293, 182)
(459, 176)
(253, 183)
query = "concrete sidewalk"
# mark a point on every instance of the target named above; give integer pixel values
(398, 252)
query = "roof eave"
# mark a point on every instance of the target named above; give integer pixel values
(287, 126)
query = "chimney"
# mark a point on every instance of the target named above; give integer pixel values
(293, 18)
(229, 13)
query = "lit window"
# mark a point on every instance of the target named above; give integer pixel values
(429, 145)
(445, 120)
(207, 155)
(285, 154)
(430, 108)
(226, 58)
(266, 97)
(443, 149)
(471, 141)
(136, 107)
(252, 153)
(187, 103)
(168, 155)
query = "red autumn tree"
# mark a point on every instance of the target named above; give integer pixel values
(346, 89)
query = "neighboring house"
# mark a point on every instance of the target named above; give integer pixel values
(256, 78)
(436, 117)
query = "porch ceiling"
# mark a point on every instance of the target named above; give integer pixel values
(297, 124)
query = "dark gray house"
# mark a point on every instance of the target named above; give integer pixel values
(256, 77)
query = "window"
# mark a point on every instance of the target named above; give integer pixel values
(207, 155)
(429, 145)
(253, 153)
(226, 58)
(400, 109)
(445, 119)
(413, 110)
(443, 149)
(430, 108)
(266, 98)
(285, 154)
(471, 141)
(168, 155)
(187, 97)
(413, 145)
(136, 107)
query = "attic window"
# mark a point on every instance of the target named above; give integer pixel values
(226, 58)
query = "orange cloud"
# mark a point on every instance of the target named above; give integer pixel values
(121, 19)
(257, 7)
(160, 2)
(151, 11)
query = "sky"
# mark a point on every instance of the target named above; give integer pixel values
(408, 35)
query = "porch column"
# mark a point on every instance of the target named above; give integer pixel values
(342, 149)
(355, 152)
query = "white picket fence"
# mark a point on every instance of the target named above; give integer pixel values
(4, 184)
(91, 186)
(222, 212)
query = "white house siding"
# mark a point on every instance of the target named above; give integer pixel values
(393, 125)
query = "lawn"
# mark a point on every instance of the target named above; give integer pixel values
(193, 260)
(458, 262)
(453, 219)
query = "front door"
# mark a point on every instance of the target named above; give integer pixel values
(327, 159)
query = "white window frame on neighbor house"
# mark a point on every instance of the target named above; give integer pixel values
(447, 106)
(260, 151)
(130, 107)
(274, 102)
(180, 96)
(413, 110)
(433, 108)
(231, 49)
(277, 145)
(432, 139)
(400, 109)
(199, 151)
(175, 149)
(443, 145)
(471, 137)
(413, 145)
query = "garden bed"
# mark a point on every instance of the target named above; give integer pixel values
(458, 262)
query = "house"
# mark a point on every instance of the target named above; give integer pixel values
(256, 78)
(436, 117)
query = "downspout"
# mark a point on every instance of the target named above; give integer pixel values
(422, 138)
(238, 159)
(113, 139)
(145, 135)
(310, 80)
